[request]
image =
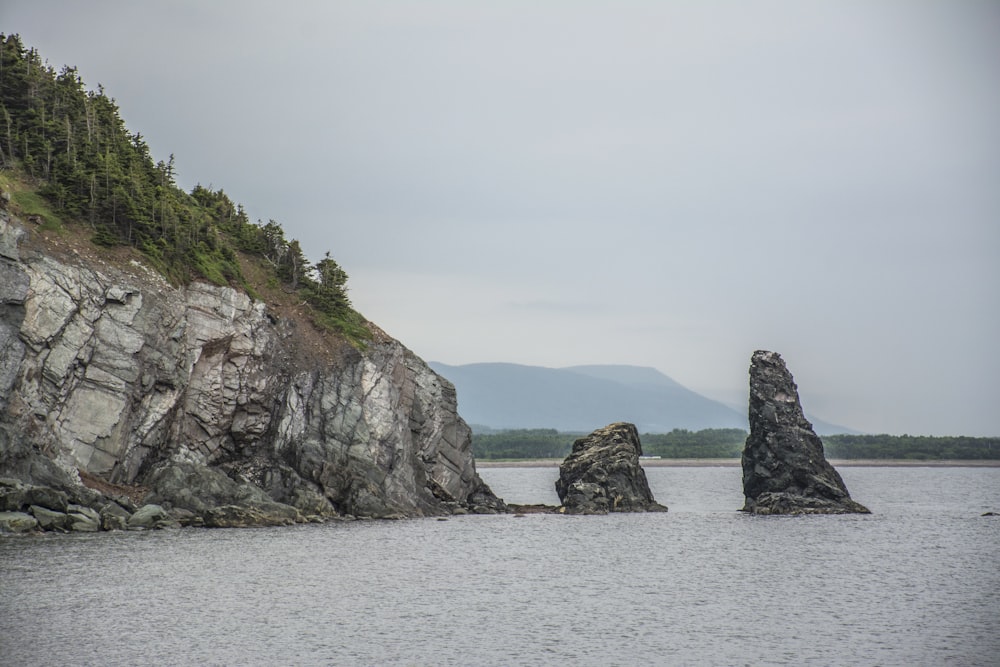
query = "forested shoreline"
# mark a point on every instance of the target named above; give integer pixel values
(66, 157)
(728, 443)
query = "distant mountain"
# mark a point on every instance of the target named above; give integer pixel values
(822, 428)
(583, 398)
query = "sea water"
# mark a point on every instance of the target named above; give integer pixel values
(917, 582)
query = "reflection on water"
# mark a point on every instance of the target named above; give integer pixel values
(915, 583)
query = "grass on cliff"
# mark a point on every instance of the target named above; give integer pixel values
(27, 203)
(69, 159)
(218, 263)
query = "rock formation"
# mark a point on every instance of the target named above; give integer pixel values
(204, 398)
(602, 474)
(784, 468)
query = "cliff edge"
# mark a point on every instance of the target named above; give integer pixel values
(115, 385)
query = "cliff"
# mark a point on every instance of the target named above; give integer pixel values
(200, 398)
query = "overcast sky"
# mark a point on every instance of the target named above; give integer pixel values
(665, 184)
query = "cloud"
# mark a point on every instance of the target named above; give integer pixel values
(664, 184)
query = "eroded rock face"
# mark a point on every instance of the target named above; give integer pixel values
(784, 468)
(602, 474)
(207, 399)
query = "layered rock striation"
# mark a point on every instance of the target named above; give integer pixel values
(784, 468)
(205, 399)
(602, 474)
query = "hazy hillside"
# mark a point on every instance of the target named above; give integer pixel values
(582, 398)
(631, 375)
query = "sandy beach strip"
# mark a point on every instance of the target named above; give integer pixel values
(735, 463)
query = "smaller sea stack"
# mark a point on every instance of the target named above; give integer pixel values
(602, 474)
(784, 468)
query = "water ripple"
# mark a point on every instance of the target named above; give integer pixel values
(915, 583)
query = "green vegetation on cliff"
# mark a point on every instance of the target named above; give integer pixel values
(70, 159)
(725, 443)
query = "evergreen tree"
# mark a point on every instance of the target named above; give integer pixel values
(73, 145)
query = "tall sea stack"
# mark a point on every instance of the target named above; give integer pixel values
(784, 468)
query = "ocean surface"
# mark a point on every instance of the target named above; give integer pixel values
(915, 583)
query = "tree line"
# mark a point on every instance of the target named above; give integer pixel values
(550, 443)
(71, 146)
(920, 447)
(727, 443)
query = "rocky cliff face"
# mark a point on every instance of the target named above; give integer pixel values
(204, 398)
(784, 468)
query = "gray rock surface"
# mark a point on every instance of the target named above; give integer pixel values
(18, 496)
(784, 468)
(114, 517)
(241, 516)
(17, 522)
(149, 517)
(49, 519)
(602, 474)
(206, 398)
(83, 519)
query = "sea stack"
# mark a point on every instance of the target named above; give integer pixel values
(602, 474)
(784, 468)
